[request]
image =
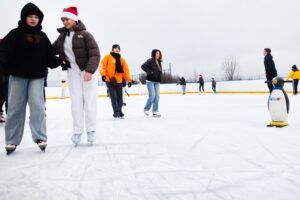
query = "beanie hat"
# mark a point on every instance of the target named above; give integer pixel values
(70, 13)
(116, 46)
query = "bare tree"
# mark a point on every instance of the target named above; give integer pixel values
(231, 69)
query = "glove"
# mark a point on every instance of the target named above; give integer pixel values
(129, 84)
(103, 78)
(65, 65)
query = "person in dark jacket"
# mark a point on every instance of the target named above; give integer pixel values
(201, 84)
(270, 68)
(153, 68)
(25, 54)
(182, 84)
(214, 85)
(81, 56)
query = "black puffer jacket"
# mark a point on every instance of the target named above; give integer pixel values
(152, 70)
(26, 51)
(84, 46)
(271, 71)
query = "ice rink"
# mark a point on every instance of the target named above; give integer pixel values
(205, 147)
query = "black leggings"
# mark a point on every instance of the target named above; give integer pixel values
(295, 86)
(201, 86)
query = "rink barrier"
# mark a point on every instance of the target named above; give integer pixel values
(163, 93)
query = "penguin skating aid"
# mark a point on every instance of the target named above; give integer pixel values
(278, 104)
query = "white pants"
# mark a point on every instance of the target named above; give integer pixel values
(84, 100)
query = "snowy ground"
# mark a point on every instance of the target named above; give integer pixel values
(206, 147)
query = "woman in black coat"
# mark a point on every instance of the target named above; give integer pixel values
(25, 54)
(154, 70)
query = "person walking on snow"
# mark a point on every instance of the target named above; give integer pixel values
(295, 75)
(201, 84)
(113, 70)
(80, 54)
(25, 54)
(270, 68)
(153, 69)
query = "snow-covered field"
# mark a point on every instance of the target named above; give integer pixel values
(205, 147)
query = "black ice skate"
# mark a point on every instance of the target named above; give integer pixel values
(10, 148)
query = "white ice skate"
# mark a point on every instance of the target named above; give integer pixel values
(42, 144)
(156, 114)
(10, 148)
(91, 137)
(76, 138)
(146, 112)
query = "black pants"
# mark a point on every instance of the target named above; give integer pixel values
(201, 86)
(270, 85)
(295, 86)
(116, 97)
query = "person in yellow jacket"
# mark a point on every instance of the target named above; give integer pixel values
(295, 75)
(113, 69)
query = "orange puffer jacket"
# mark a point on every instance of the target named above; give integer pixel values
(108, 69)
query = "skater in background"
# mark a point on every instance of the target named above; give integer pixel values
(295, 75)
(153, 68)
(80, 54)
(270, 68)
(113, 70)
(25, 54)
(124, 91)
(182, 84)
(64, 86)
(214, 85)
(201, 84)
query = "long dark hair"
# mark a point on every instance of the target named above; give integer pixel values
(154, 51)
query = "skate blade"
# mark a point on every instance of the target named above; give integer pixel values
(42, 147)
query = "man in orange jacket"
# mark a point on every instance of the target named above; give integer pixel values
(113, 69)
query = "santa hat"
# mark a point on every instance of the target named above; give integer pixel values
(70, 13)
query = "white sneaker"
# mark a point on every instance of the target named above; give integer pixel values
(76, 138)
(146, 112)
(91, 137)
(156, 114)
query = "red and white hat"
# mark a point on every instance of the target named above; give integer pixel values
(70, 13)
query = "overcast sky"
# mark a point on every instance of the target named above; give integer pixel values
(193, 35)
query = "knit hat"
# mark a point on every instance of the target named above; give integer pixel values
(70, 13)
(116, 46)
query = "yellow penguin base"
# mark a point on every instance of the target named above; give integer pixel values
(279, 124)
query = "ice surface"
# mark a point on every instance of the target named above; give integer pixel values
(206, 147)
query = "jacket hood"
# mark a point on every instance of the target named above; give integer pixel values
(79, 27)
(29, 9)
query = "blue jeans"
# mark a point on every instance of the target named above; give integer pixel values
(20, 92)
(153, 98)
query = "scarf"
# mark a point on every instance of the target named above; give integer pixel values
(28, 29)
(117, 56)
(32, 33)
